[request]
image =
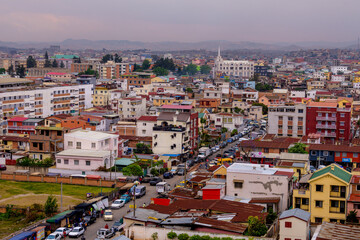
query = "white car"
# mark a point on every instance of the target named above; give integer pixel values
(61, 231)
(108, 216)
(54, 236)
(76, 232)
(118, 203)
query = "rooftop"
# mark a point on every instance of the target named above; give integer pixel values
(84, 153)
(177, 106)
(148, 118)
(296, 212)
(334, 170)
(336, 231)
(250, 168)
(322, 104)
(5, 81)
(93, 135)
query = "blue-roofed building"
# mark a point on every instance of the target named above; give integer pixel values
(294, 224)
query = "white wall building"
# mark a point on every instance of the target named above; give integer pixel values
(294, 224)
(287, 120)
(297, 94)
(336, 69)
(337, 78)
(144, 126)
(130, 107)
(231, 120)
(248, 181)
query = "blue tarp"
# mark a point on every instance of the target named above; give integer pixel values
(171, 155)
(23, 235)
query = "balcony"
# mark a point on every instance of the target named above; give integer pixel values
(169, 128)
(337, 210)
(13, 101)
(62, 95)
(328, 134)
(325, 118)
(325, 126)
(21, 128)
(300, 123)
(290, 123)
(301, 193)
(338, 194)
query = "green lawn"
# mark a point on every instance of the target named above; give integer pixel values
(9, 226)
(11, 188)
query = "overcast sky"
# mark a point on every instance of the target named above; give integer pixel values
(180, 20)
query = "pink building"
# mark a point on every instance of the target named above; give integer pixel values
(353, 203)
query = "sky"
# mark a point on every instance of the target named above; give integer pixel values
(180, 20)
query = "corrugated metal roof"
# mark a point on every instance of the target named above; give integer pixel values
(83, 153)
(296, 212)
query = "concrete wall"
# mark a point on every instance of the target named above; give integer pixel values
(144, 233)
(299, 229)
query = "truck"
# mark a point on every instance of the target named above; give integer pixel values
(162, 187)
(204, 152)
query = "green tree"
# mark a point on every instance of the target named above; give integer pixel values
(54, 64)
(51, 205)
(255, 78)
(117, 58)
(20, 71)
(76, 60)
(143, 148)
(11, 70)
(171, 235)
(159, 71)
(237, 110)
(62, 65)
(89, 71)
(183, 236)
(298, 148)
(224, 130)
(351, 217)
(154, 172)
(106, 58)
(191, 69)
(2, 70)
(195, 237)
(256, 226)
(263, 87)
(132, 170)
(189, 90)
(165, 63)
(234, 132)
(30, 62)
(205, 69)
(271, 216)
(146, 64)
(46, 56)
(264, 107)
(154, 236)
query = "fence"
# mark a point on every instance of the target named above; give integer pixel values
(57, 179)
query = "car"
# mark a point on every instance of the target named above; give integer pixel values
(61, 231)
(118, 203)
(126, 198)
(54, 236)
(88, 220)
(2, 167)
(217, 148)
(181, 172)
(76, 232)
(118, 225)
(181, 166)
(147, 178)
(108, 215)
(190, 163)
(104, 233)
(213, 149)
(155, 181)
(167, 175)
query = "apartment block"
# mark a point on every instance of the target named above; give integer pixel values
(287, 120)
(129, 108)
(112, 70)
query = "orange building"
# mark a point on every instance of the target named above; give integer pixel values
(209, 102)
(87, 122)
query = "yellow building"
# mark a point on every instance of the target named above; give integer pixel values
(356, 77)
(162, 100)
(324, 194)
(158, 80)
(101, 96)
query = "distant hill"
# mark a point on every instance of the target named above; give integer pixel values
(171, 45)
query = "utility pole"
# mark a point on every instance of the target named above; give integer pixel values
(61, 198)
(110, 163)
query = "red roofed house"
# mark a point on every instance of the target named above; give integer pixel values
(22, 125)
(353, 202)
(326, 119)
(144, 125)
(59, 76)
(86, 122)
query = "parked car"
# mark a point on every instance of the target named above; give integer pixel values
(217, 148)
(54, 236)
(108, 215)
(76, 232)
(181, 172)
(118, 225)
(140, 191)
(155, 180)
(125, 197)
(104, 233)
(168, 175)
(61, 231)
(2, 167)
(118, 203)
(147, 178)
(88, 220)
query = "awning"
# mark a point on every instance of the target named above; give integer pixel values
(127, 186)
(57, 218)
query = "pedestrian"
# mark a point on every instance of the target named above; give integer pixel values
(102, 213)
(64, 234)
(144, 204)
(83, 238)
(106, 226)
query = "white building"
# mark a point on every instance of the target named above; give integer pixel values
(130, 107)
(287, 120)
(294, 225)
(256, 181)
(144, 126)
(337, 78)
(337, 69)
(297, 94)
(89, 149)
(230, 121)
(236, 68)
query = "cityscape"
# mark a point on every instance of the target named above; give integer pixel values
(153, 121)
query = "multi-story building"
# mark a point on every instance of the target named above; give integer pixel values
(324, 194)
(112, 70)
(87, 150)
(137, 79)
(145, 125)
(248, 95)
(102, 94)
(326, 119)
(230, 121)
(236, 68)
(353, 201)
(256, 181)
(129, 108)
(21, 125)
(41, 102)
(176, 130)
(287, 120)
(86, 122)
(82, 67)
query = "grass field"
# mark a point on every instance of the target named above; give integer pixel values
(9, 226)
(9, 189)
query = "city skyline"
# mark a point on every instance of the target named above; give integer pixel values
(186, 21)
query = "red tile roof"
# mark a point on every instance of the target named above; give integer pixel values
(213, 168)
(148, 118)
(322, 104)
(284, 173)
(17, 119)
(335, 148)
(222, 225)
(56, 73)
(355, 179)
(199, 179)
(265, 200)
(354, 198)
(177, 106)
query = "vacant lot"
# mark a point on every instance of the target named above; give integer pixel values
(10, 190)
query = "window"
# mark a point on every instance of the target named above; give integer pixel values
(300, 119)
(78, 145)
(334, 204)
(70, 144)
(290, 118)
(66, 161)
(87, 163)
(107, 141)
(93, 145)
(337, 154)
(313, 153)
(355, 155)
(288, 224)
(318, 220)
(334, 188)
(319, 188)
(58, 160)
(143, 131)
(344, 154)
(305, 201)
(357, 187)
(238, 184)
(342, 123)
(76, 162)
(325, 153)
(144, 124)
(319, 204)
(290, 127)
(342, 115)
(35, 145)
(300, 110)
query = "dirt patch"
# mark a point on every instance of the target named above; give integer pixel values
(25, 200)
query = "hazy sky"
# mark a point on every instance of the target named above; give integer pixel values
(180, 20)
